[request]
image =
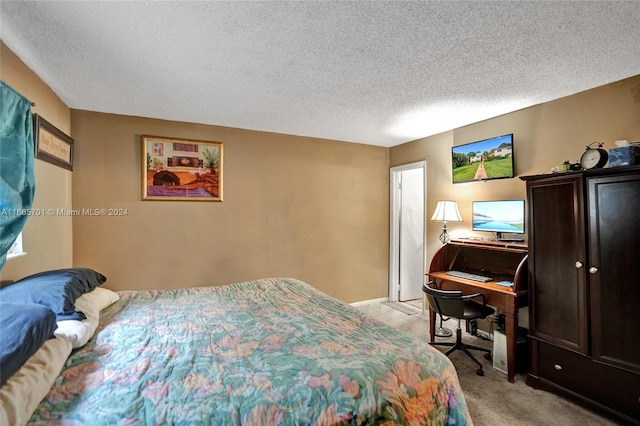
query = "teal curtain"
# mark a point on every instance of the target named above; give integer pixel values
(17, 180)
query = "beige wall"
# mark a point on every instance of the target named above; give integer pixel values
(306, 208)
(545, 135)
(47, 240)
(298, 207)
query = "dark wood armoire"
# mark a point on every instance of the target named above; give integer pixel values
(584, 287)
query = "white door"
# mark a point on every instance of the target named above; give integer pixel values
(407, 265)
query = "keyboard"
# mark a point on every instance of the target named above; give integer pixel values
(468, 276)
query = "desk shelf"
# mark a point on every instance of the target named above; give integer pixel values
(498, 245)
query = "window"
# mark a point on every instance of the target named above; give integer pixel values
(16, 248)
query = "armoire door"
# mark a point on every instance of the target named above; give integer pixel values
(614, 265)
(558, 308)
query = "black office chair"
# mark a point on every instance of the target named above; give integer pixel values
(452, 303)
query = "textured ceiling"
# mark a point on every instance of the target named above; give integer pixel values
(379, 73)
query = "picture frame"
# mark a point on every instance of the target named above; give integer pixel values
(175, 169)
(52, 144)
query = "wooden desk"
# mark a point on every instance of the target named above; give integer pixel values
(500, 261)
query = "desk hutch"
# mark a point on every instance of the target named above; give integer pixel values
(499, 260)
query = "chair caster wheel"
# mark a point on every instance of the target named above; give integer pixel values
(480, 372)
(488, 356)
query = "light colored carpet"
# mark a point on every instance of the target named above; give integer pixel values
(492, 400)
(402, 307)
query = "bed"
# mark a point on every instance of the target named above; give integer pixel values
(264, 352)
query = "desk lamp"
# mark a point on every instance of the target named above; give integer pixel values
(446, 211)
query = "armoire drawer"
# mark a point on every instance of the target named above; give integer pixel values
(564, 368)
(611, 387)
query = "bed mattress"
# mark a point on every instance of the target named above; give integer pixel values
(268, 352)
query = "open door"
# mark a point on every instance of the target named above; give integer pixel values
(407, 242)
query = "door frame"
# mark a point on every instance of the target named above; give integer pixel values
(394, 224)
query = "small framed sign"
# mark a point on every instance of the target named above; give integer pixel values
(51, 144)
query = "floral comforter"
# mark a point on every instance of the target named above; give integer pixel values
(265, 352)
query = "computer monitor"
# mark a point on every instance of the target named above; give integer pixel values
(499, 216)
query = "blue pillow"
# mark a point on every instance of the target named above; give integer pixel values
(57, 290)
(23, 329)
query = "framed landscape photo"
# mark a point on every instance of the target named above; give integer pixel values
(181, 169)
(51, 144)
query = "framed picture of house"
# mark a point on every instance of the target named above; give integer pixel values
(52, 144)
(181, 169)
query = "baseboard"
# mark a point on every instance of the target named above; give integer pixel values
(364, 302)
(484, 334)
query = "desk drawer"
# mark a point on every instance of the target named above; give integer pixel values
(614, 388)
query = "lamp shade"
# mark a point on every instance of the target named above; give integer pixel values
(447, 211)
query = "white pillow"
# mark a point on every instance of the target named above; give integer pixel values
(96, 300)
(74, 330)
(79, 332)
